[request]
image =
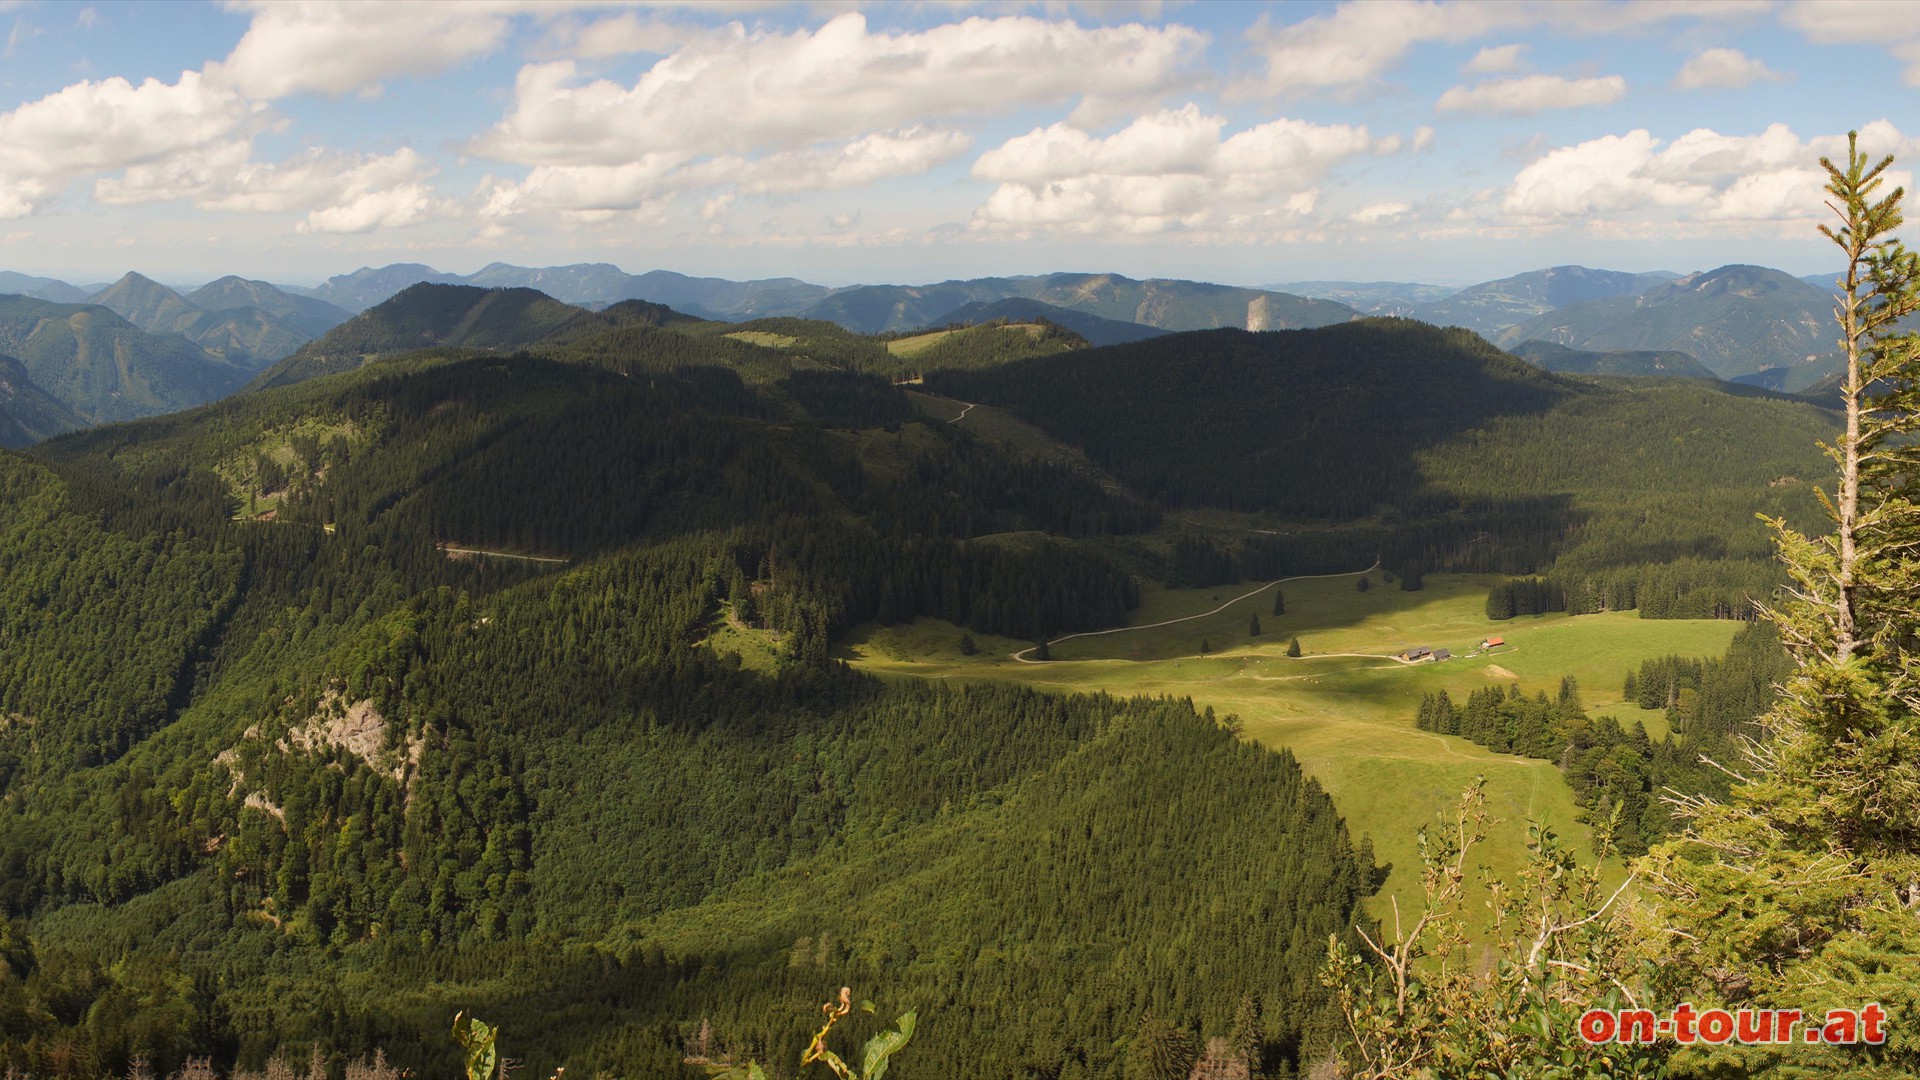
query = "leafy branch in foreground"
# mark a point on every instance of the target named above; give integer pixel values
(1426, 1003)
(875, 1056)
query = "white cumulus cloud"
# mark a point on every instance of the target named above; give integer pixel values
(1531, 94)
(1496, 59)
(1702, 176)
(1379, 213)
(92, 127)
(1722, 69)
(1361, 40)
(745, 91)
(336, 47)
(1167, 170)
(335, 192)
(657, 176)
(1894, 27)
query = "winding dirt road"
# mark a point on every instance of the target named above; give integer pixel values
(1021, 656)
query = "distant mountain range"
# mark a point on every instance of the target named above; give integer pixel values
(249, 323)
(168, 348)
(1096, 330)
(41, 288)
(29, 414)
(432, 315)
(1492, 306)
(1737, 320)
(1553, 357)
(1164, 304)
(103, 367)
(588, 285)
(1370, 297)
(306, 314)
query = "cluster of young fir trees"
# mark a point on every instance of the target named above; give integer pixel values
(1684, 589)
(1617, 772)
(1798, 886)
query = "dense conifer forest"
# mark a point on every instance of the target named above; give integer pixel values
(333, 708)
(260, 724)
(1710, 704)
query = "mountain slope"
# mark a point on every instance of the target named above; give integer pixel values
(1492, 306)
(588, 284)
(1343, 421)
(242, 334)
(507, 684)
(1163, 303)
(1736, 320)
(145, 303)
(1553, 357)
(452, 316)
(980, 346)
(29, 414)
(601, 284)
(368, 286)
(1400, 298)
(761, 298)
(1267, 421)
(105, 368)
(40, 288)
(549, 769)
(308, 315)
(1097, 330)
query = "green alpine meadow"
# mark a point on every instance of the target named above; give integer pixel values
(1337, 540)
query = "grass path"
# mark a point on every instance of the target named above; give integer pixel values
(453, 550)
(1021, 655)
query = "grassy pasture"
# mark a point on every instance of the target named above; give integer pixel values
(765, 339)
(919, 343)
(1349, 719)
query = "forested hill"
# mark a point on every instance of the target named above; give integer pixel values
(453, 316)
(503, 682)
(307, 314)
(1168, 304)
(1320, 423)
(105, 368)
(28, 413)
(1096, 330)
(1623, 362)
(242, 333)
(1492, 306)
(499, 675)
(1737, 320)
(1461, 456)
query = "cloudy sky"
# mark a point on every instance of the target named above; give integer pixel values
(1392, 140)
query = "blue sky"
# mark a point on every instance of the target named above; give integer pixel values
(1396, 140)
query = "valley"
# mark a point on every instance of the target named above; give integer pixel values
(492, 639)
(1344, 707)
(646, 540)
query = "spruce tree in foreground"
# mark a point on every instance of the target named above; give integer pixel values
(1802, 889)
(1253, 625)
(1279, 602)
(1293, 647)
